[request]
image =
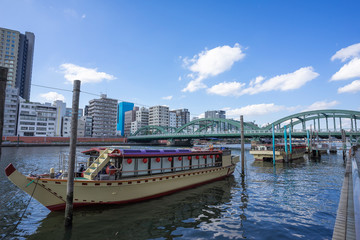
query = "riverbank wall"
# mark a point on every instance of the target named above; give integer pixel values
(14, 141)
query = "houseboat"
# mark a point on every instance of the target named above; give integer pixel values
(119, 176)
(264, 152)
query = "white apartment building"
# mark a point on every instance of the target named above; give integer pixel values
(36, 119)
(103, 112)
(10, 111)
(159, 116)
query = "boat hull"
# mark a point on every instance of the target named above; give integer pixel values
(52, 192)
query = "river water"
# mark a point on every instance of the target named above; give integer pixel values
(291, 201)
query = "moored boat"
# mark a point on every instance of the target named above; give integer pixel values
(264, 152)
(119, 176)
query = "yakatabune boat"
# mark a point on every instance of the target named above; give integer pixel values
(118, 176)
(264, 152)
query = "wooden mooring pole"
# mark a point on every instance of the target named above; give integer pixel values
(242, 145)
(3, 79)
(72, 155)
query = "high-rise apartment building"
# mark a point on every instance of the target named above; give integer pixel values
(103, 112)
(16, 54)
(142, 119)
(172, 119)
(122, 108)
(182, 117)
(159, 116)
(130, 116)
(11, 111)
(215, 114)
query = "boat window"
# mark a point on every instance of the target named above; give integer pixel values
(169, 150)
(152, 151)
(132, 151)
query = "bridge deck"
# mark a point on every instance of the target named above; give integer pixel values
(345, 219)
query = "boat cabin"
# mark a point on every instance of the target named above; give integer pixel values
(113, 163)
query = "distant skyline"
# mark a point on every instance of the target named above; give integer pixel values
(262, 59)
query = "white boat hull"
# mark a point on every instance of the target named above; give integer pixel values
(52, 192)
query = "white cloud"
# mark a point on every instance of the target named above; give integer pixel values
(85, 75)
(320, 105)
(194, 85)
(257, 80)
(167, 98)
(285, 82)
(226, 89)
(255, 110)
(83, 16)
(52, 96)
(349, 70)
(350, 88)
(202, 115)
(211, 63)
(347, 53)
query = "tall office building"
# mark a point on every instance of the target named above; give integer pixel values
(122, 108)
(215, 114)
(159, 116)
(16, 54)
(103, 112)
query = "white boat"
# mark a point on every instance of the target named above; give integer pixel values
(119, 176)
(264, 152)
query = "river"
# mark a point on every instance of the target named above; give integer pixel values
(291, 201)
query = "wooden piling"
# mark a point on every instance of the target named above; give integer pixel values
(242, 145)
(70, 181)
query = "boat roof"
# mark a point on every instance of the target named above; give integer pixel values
(142, 152)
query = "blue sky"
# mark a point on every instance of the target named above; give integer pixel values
(262, 59)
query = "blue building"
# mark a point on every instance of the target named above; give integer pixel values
(122, 108)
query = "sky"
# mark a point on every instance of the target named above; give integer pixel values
(261, 59)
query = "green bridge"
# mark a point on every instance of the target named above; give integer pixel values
(326, 123)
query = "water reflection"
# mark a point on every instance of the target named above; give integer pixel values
(157, 218)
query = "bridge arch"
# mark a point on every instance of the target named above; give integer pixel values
(151, 129)
(315, 116)
(214, 124)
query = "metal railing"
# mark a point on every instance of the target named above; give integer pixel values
(278, 131)
(356, 195)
